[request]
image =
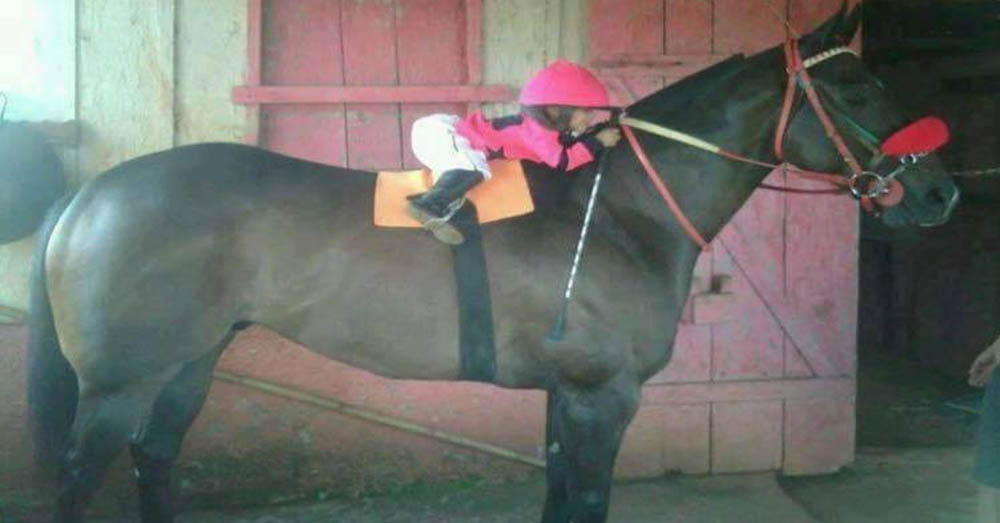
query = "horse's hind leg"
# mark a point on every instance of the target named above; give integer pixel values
(156, 448)
(586, 425)
(105, 419)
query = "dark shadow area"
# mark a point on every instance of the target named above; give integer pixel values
(929, 299)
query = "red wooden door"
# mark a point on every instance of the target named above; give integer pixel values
(341, 81)
(762, 375)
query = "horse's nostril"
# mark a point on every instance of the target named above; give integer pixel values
(939, 195)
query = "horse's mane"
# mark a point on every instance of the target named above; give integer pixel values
(663, 105)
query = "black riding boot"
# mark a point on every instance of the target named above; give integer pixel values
(435, 207)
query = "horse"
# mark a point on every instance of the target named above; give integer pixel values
(144, 275)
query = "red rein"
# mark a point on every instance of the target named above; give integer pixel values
(926, 134)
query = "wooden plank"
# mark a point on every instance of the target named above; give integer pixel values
(746, 436)
(627, 89)
(369, 32)
(748, 27)
(632, 76)
(431, 37)
(553, 24)
(474, 41)
(822, 273)
(302, 43)
(654, 70)
(313, 132)
(203, 104)
(819, 435)
(650, 62)
(749, 256)
(255, 42)
(806, 15)
(374, 135)
(692, 358)
(574, 24)
(686, 438)
(368, 95)
(748, 390)
(797, 328)
(641, 454)
(647, 453)
(752, 346)
(434, 48)
(255, 24)
(125, 80)
(796, 365)
(625, 26)
(515, 42)
(688, 26)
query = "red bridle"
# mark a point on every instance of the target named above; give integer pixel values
(887, 190)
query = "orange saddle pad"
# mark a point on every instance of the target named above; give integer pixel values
(504, 195)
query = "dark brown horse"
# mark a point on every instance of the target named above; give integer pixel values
(144, 275)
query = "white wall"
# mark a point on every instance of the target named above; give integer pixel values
(136, 75)
(38, 77)
(522, 36)
(38, 58)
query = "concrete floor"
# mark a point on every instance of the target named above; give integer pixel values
(886, 485)
(913, 465)
(917, 485)
(683, 499)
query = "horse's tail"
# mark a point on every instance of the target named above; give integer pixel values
(52, 384)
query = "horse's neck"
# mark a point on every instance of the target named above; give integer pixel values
(710, 189)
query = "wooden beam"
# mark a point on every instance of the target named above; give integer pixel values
(673, 65)
(374, 94)
(474, 41)
(659, 60)
(747, 390)
(255, 33)
(255, 42)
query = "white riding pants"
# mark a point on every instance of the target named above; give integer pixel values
(436, 145)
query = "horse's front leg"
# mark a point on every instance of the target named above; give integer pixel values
(584, 432)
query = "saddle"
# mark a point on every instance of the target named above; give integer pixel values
(503, 196)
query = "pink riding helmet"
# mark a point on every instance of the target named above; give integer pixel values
(564, 83)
